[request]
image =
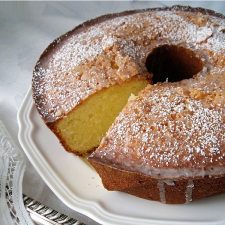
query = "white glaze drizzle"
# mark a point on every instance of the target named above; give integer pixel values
(161, 186)
(169, 182)
(162, 192)
(189, 190)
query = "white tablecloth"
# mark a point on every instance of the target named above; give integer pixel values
(26, 28)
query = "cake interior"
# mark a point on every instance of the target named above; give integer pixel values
(83, 128)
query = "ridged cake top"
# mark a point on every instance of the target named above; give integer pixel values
(113, 48)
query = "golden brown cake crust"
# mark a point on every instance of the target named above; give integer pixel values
(66, 73)
(135, 157)
(171, 191)
(170, 139)
(170, 126)
(168, 143)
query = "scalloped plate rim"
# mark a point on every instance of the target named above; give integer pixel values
(88, 208)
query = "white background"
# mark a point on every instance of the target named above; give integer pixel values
(26, 28)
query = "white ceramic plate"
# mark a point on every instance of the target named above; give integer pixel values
(79, 186)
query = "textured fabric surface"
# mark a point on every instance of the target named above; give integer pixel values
(26, 30)
(12, 167)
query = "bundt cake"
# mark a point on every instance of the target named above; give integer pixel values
(144, 93)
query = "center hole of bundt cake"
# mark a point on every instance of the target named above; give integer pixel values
(172, 63)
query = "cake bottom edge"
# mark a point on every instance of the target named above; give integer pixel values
(169, 191)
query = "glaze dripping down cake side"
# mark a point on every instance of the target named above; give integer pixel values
(166, 141)
(171, 136)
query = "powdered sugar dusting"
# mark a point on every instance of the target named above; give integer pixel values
(167, 127)
(72, 72)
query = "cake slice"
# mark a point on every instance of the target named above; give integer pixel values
(167, 143)
(82, 129)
